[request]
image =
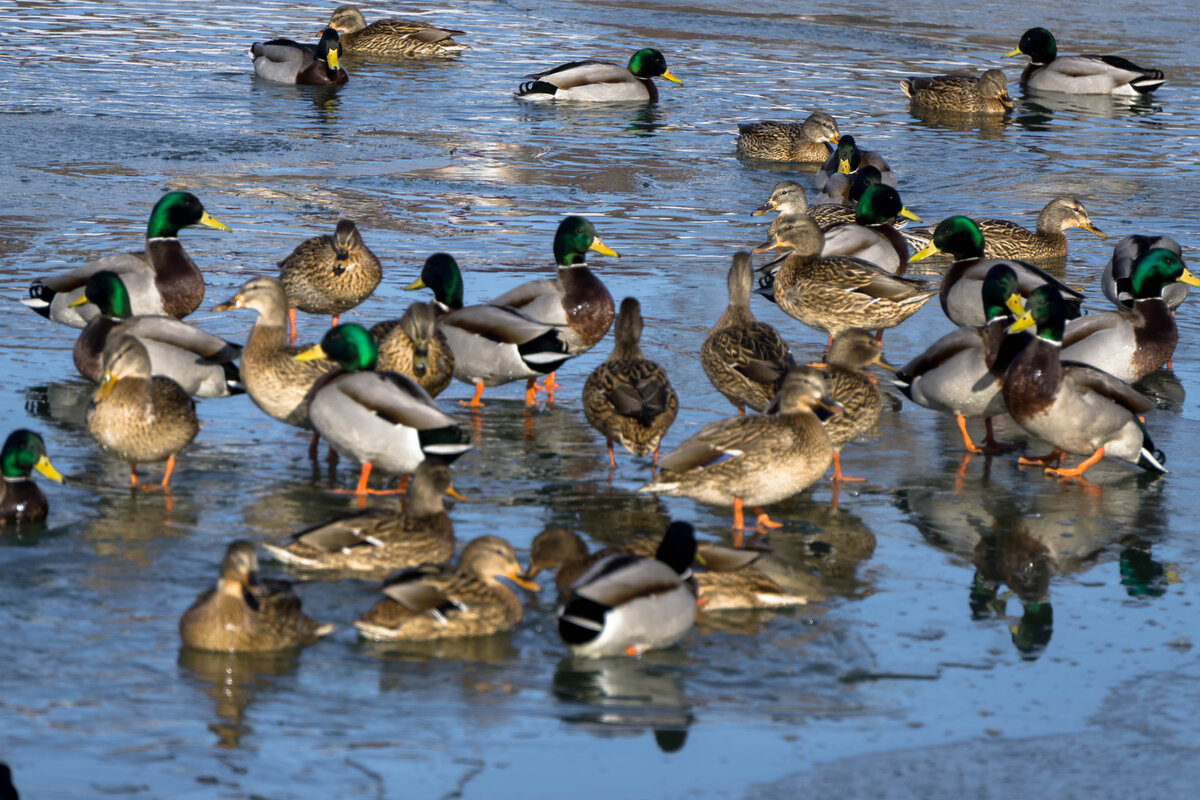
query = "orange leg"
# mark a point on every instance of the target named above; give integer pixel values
(1054, 457)
(1075, 472)
(474, 401)
(362, 478)
(548, 385)
(833, 500)
(291, 325)
(879, 336)
(612, 461)
(333, 324)
(837, 470)
(530, 392)
(966, 437)
(133, 480)
(737, 522)
(741, 411)
(167, 475)
(762, 523)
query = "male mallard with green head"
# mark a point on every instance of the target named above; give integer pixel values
(286, 61)
(20, 498)
(600, 81)
(1084, 74)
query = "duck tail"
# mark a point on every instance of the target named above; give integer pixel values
(906, 87)
(581, 620)
(536, 87)
(1150, 458)
(904, 384)
(39, 298)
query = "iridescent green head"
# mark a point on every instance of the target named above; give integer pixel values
(958, 235)
(574, 237)
(440, 273)
(880, 204)
(848, 157)
(1046, 309)
(1154, 270)
(866, 175)
(107, 291)
(1001, 293)
(329, 49)
(176, 210)
(350, 345)
(23, 451)
(649, 63)
(1038, 44)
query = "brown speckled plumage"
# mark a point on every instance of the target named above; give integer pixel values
(967, 94)
(413, 346)
(391, 37)
(330, 274)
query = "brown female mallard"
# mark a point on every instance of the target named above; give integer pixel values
(329, 274)
(20, 498)
(964, 94)
(413, 346)
(849, 384)
(628, 398)
(245, 614)
(799, 142)
(787, 197)
(391, 37)
(1004, 239)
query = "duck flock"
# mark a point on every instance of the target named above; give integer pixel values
(1016, 344)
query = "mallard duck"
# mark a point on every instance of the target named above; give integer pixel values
(201, 363)
(382, 419)
(1083, 74)
(626, 604)
(872, 236)
(413, 346)
(745, 359)
(757, 459)
(848, 159)
(245, 614)
(844, 190)
(799, 142)
(1129, 344)
(600, 81)
(329, 274)
(966, 94)
(787, 197)
(381, 540)
(1004, 239)
(275, 381)
(433, 602)
(162, 279)
(285, 61)
(391, 37)
(1075, 408)
(1117, 273)
(836, 293)
(848, 383)
(628, 398)
(962, 285)
(961, 372)
(139, 417)
(492, 345)
(20, 498)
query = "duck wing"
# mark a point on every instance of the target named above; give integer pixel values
(396, 398)
(1091, 380)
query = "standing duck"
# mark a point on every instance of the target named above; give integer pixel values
(162, 279)
(1004, 239)
(796, 142)
(20, 498)
(245, 614)
(1085, 74)
(600, 81)
(848, 159)
(960, 94)
(628, 398)
(391, 37)
(1116, 279)
(413, 346)
(854, 390)
(285, 61)
(329, 274)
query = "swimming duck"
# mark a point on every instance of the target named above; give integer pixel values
(381, 540)
(162, 279)
(329, 274)
(285, 61)
(413, 346)
(140, 417)
(391, 37)
(275, 381)
(245, 614)
(757, 459)
(382, 419)
(848, 383)
(626, 604)
(600, 81)
(1075, 408)
(1117, 273)
(492, 344)
(742, 357)
(1129, 344)
(848, 159)
(787, 197)
(836, 293)
(962, 285)
(844, 190)
(1004, 239)
(433, 602)
(799, 142)
(1083, 74)
(966, 94)
(961, 372)
(20, 498)
(628, 398)
(201, 363)
(872, 236)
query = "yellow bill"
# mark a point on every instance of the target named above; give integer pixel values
(44, 466)
(904, 212)
(1023, 322)
(1016, 51)
(1188, 278)
(672, 78)
(844, 166)
(928, 250)
(331, 59)
(417, 284)
(82, 301)
(1013, 303)
(603, 249)
(311, 354)
(211, 222)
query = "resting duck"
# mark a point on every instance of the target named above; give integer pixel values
(285, 61)
(797, 142)
(600, 81)
(1084, 74)
(391, 37)
(960, 94)
(20, 498)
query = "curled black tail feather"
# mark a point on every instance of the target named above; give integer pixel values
(536, 87)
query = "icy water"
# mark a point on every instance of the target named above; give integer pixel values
(915, 671)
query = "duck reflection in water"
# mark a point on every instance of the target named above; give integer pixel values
(233, 680)
(1013, 558)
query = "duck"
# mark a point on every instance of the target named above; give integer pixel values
(246, 614)
(162, 279)
(844, 190)
(1084, 74)
(1115, 281)
(275, 381)
(414, 346)
(1004, 239)
(836, 293)
(391, 36)
(846, 378)
(961, 373)
(381, 540)
(848, 159)
(434, 602)
(962, 285)
(796, 142)
(21, 501)
(628, 397)
(628, 605)
(756, 459)
(600, 81)
(1075, 408)
(285, 61)
(961, 94)
(872, 237)
(138, 416)
(492, 344)
(787, 197)
(743, 358)
(203, 364)
(329, 274)
(1129, 344)
(381, 419)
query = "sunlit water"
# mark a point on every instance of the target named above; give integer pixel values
(901, 682)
